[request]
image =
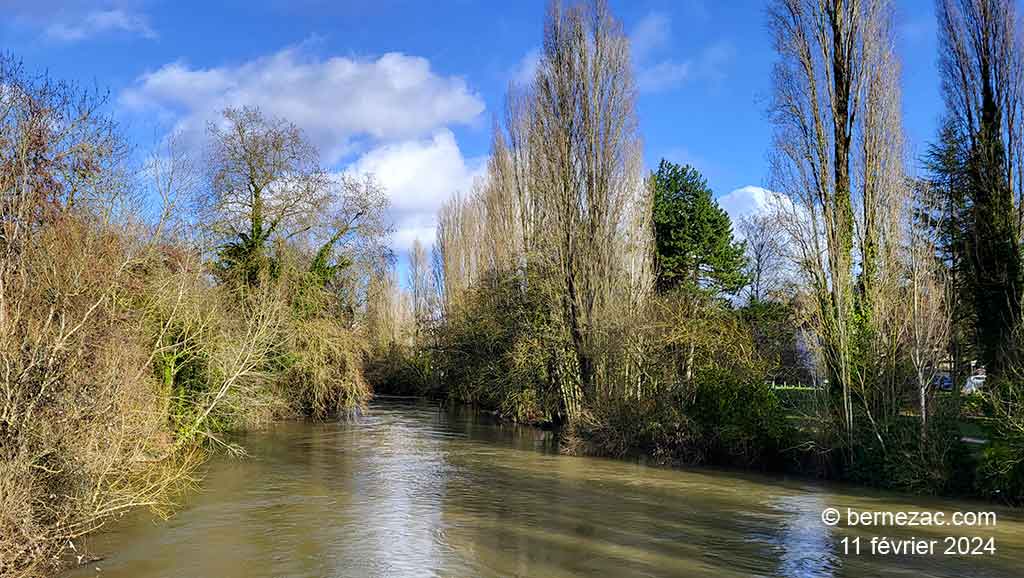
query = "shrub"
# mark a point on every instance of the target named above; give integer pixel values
(83, 420)
(1000, 473)
(655, 428)
(502, 349)
(323, 371)
(743, 420)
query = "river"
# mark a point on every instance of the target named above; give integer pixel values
(409, 489)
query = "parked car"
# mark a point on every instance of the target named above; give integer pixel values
(943, 383)
(974, 384)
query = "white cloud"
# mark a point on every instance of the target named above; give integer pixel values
(653, 35)
(526, 71)
(338, 101)
(750, 200)
(650, 34)
(713, 60)
(662, 76)
(419, 176)
(410, 231)
(75, 27)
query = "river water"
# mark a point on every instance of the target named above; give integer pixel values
(409, 489)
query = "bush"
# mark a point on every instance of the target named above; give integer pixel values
(930, 460)
(744, 421)
(84, 421)
(323, 372)
(503, 348)
(1001, 465)
(1001, 472)
(396, 369)
(655, 428)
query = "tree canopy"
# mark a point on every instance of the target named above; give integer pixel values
(693, 236)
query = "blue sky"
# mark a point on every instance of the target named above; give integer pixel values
(407, 89)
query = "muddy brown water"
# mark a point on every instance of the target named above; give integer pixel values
(409, 489)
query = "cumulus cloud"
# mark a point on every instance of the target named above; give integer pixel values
(389, 116)
(339, 102)
(419, 176)
(98, 22)
(752, 200)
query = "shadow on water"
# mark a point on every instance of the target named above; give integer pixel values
(409, 489)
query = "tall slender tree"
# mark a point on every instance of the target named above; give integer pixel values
(585, 168)
(838, 149)
(981, 67)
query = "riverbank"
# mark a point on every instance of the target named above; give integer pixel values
(656, 436)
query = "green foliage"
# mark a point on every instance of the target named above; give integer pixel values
(245, 260)
(725, 420)
(743, 419)
(654, 427)
(943, 211)
(322, 369)
(970, 207)
(929, 460)
(693, 235)
(996, 254)
(1001, 472)
(501, 349)
(773, 328)
(402, 370)
(1001, 466)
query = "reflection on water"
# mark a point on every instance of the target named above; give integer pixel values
(411, 490)
(803, 543)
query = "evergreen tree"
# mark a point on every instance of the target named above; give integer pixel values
(943, 209)
(693, 236)
(995, 258)
(980, 52)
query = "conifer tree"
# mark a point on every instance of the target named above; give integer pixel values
(693, 236)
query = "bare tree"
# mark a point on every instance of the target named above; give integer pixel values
(564, 192)
(265, 183)
(461, 226)
(835, 87)
(765, 252)
(419, 284)
(585, 165)
(929, 315)
(349, 240)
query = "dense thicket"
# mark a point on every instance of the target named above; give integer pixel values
(133, 334)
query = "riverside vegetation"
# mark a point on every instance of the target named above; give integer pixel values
(571, 290)
(131, 334)
(148, 308)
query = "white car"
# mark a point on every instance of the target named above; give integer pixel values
(974, 384)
